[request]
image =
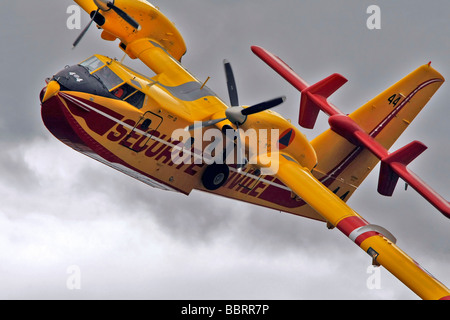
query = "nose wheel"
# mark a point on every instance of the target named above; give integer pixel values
(215, 176)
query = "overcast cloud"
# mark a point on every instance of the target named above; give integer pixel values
(61, 209)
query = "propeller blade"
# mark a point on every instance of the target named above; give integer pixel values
(78, 39)
(124, 15)
(240, 156)
(204, 124)
(231, 83)
(263, 106)
(238, 149)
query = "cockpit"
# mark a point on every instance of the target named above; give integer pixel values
(96, 77)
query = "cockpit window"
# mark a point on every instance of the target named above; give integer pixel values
(109, 78)
(123, 91)
(113, 83)
(92, 64)
(129, 94)
(136, 99)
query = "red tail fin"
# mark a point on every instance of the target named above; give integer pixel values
(314, 98)
(361, 127)
(388, 177)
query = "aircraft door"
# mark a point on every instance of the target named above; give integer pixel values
(142, 132)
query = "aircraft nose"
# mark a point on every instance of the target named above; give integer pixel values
(53, 88)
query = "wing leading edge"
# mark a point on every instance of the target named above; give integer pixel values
(375, 241)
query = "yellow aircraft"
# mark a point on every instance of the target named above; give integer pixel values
(172, 132)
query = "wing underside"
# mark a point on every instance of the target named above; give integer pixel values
(374, 241)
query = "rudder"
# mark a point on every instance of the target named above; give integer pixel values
(342, 165)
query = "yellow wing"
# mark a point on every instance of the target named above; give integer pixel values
(374, 240)
(154, 27)
(157, 42)
(160, 46)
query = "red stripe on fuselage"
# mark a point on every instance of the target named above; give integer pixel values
(94, 120)
(65, 127)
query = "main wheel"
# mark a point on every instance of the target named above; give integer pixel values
(215, 176)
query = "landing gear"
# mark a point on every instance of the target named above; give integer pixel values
(215, 176)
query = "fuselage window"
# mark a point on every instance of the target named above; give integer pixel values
(136, 99)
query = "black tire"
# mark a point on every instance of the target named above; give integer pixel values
(215, 176)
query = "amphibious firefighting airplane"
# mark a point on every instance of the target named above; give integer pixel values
(124, 119)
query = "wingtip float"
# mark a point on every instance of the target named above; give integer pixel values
(113, 114)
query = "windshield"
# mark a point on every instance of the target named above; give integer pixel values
(92, 64)
(108, 78)
(113, 83)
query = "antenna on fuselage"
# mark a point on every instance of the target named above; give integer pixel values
(123, 58)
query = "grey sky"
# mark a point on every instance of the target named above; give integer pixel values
(60, 208)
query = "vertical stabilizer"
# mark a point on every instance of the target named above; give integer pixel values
(354, 145)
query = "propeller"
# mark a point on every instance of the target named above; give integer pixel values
(121, 13)
(236, 114)
(105, 5)
(231, 84)
(78, 39)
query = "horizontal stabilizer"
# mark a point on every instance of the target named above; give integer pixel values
(314, 98)
(374, 127)
(422, 188)
(401, 158)
(345, 127)
(393, 165)
(327, 86)
(406, 154)
(280, 67)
